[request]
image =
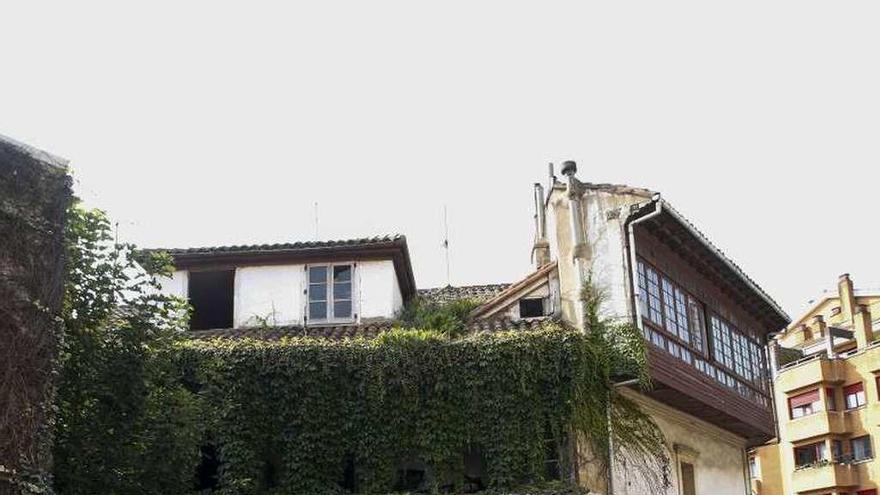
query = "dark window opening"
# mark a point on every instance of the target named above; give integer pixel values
(531, 308)
(412, 476)
(474, 471)
(349, 475)
(271, 468)
(208, 470)
(688, 481)
(211, 296)
(553, 454)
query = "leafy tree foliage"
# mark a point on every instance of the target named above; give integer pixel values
(125, 424)
(448, 318)
(136, 403)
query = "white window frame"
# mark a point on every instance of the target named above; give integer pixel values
(330, 317)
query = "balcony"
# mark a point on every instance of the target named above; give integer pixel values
(814, 425)
(829, 476)
(809, 371)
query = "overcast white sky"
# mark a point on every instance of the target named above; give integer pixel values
(202, 123)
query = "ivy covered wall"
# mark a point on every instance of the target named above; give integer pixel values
(34, 194)
(313, 416)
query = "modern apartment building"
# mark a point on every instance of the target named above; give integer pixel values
(826, 376)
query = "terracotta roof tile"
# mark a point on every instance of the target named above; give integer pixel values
(363, 330)
(476, 293)
(333, 332)
(287, 246)
(512, 289)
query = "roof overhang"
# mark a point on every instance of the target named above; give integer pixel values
(394, 249)
(674, 229)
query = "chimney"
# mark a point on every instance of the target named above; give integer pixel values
(580, 250)
(862, 326)
(820, 328)
(569, 168)
(541, 250)
(847, 297)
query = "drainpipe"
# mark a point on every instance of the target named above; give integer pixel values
(569, 169)
(610, 434)
(541, 249)
(633, 262)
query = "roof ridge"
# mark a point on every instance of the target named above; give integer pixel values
(284, 245)
(514, 287)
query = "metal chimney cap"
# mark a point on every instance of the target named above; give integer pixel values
(569, 168)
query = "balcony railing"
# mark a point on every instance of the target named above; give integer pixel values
(824, 475)
(809, 371)
(818, 424)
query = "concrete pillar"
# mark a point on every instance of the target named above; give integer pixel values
(772, 352)
(847, 296)
(862, 326)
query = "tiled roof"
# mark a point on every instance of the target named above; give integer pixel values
(504, 324)
(503, 297)
(654, 196)
(476, 293)
(727, 260)
(334, 332)
(365, 330)
(287, 246)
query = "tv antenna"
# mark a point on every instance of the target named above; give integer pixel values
(316, 220)
(446, 243)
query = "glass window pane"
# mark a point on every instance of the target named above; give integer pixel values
(318, 311)
(342, 309)
(342, 291)
(317, 292)
(342, 273)
(317, 274)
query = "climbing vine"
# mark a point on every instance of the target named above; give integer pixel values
(426, 406)
(295, 416)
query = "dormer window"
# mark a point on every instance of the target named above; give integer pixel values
(330, 293)
(532, 307)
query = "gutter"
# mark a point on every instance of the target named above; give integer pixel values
(633, 263)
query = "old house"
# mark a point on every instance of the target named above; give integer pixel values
(705, 321)
(332, 288)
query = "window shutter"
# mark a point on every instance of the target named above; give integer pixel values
(804, 399)
(853, 389)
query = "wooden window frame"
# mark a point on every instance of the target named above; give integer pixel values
(330, 301)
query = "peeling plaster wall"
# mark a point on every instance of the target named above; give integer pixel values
(720, 464)
(718, 457)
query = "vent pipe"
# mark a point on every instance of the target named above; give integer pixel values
(541, 250)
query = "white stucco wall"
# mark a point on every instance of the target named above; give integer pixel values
(176, 285)
(276, 293)
(378, 291)
(605, 233)
(273, 293)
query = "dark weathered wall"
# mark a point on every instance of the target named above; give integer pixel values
(34, 195)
